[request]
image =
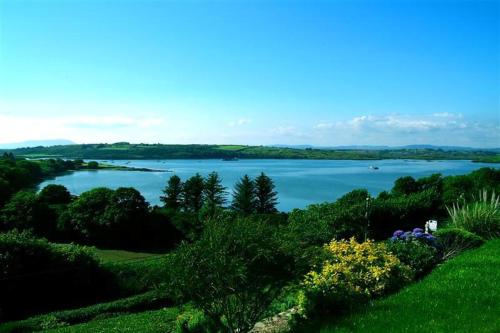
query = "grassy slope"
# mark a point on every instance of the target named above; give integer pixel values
(153, 299)
(462, 295)
(107, 256)
(159, 321)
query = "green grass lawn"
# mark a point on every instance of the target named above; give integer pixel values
(462, 295)
(159, 321)
(107, 256)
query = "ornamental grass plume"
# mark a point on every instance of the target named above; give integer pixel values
(482, 216)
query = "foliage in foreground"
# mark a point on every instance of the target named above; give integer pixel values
(462, 295)
(417, 255)
(44, 275)
(453, 241)
(481, 217)
(354, 272)
(233, 271)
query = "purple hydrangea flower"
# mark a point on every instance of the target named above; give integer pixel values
(398, 233)
(418, 234)
(418, 230)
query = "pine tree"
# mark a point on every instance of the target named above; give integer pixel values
(265, 196)
(193, 193)
(214, 193)
(244, 196)
(173, 193)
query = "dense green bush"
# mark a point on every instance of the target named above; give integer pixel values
(320, 223)
(481, 217)
(453, 241)
(234, 271)
(106, 217)
(415, 254)
(44, 275)
(353, 273)
(25, 211)
(402, 212)
(464, 187)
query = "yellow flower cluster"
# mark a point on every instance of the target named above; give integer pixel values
(362, 269)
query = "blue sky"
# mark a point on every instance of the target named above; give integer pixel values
(251, 72)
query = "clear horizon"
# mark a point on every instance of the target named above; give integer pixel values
(248, 72)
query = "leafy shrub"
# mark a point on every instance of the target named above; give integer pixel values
(415, 254)
(194, 321)
(453, 241)
(25, 211)
(320, 223)
(481, 217)
(44, 275)
(233, 271)
(354, 272)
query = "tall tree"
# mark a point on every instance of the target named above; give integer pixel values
(244, 196)
(173, 193)
(265, 195)
(214, 193)
(193, 193)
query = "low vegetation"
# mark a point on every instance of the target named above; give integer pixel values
(219, 262)
(481, 216)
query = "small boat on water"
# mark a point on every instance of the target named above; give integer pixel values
(373, 167)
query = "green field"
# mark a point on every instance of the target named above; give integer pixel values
(462, 295)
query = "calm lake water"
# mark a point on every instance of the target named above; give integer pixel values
(298, 182)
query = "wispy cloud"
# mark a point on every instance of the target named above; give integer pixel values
(438, 128)
(239, 122)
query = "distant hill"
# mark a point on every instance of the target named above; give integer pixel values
(128, 151)
(36, 143)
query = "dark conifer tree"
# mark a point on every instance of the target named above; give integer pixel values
(193, 193)
(214, 193)
(173, 193)
(244, 196)
(265, 196)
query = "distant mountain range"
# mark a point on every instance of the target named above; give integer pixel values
(36, 143)
(370, 147)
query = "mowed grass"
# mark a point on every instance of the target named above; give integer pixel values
(462, 295)
(107, 256)
(159, 321)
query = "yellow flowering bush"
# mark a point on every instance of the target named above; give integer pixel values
(352, 272)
